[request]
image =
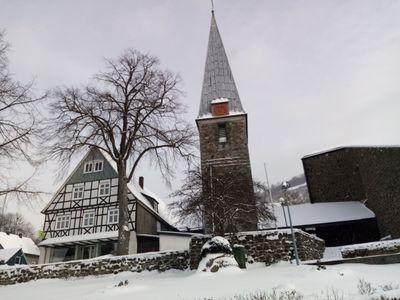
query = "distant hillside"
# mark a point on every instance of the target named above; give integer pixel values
(298, 192)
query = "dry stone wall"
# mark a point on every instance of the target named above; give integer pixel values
(371, 249)
(161, 262)
(263, 246)
(267, 246)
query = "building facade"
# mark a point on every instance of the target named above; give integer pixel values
(369, 175)
(223, 131)
(81, 220)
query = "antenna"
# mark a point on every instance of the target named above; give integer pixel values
(212, 6)
(270, 192)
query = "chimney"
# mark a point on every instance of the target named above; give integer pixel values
(220, 107)
(141, 181)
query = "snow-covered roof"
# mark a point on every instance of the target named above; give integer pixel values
(219, 100)
(321, 213)
(231, 114)
(162, 206)
(138, 192)
(12, 241)
(6, 254)
(326, 151)
(79, 238)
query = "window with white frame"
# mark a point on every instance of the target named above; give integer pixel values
(62, 222)
(93, 166)
(113, 216)
(88, 218)
(88, 167)
(77, 192)
(104, 189)
(98, 165)
(18, 260)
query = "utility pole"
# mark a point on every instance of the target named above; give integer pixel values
(285, 187)
(270, 194)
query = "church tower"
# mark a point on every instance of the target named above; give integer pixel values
(222, 125)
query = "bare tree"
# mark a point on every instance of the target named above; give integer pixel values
(225, 208)
(131, 110)
(15, 223)
(18, 120)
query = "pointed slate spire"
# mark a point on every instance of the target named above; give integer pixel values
(218, 80)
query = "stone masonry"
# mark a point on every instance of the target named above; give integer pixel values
(161, 262)
(268, 246)
(231, 157)
(371, 249)
(367, 174)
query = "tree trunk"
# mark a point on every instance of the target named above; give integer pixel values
(123, 231)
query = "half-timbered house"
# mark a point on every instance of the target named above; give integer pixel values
(81, 220)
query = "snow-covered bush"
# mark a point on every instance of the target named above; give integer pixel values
(217, 244)
(215, 261)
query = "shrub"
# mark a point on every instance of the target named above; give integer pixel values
(216, 245)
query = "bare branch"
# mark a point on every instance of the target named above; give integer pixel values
(130, 111)
(193, 204)
(18, 127)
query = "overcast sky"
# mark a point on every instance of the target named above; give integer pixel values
(311, 74)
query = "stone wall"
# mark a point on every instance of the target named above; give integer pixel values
(358, 174)
(267, 246)
(263, 246)
(161, 261)
(228, 161)
(371, 249)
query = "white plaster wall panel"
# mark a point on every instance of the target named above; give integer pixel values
(172, 242)
(114, 190)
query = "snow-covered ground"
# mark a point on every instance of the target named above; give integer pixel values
(307, 280)
(332, 253)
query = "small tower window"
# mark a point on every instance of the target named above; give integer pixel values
(222, 137)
